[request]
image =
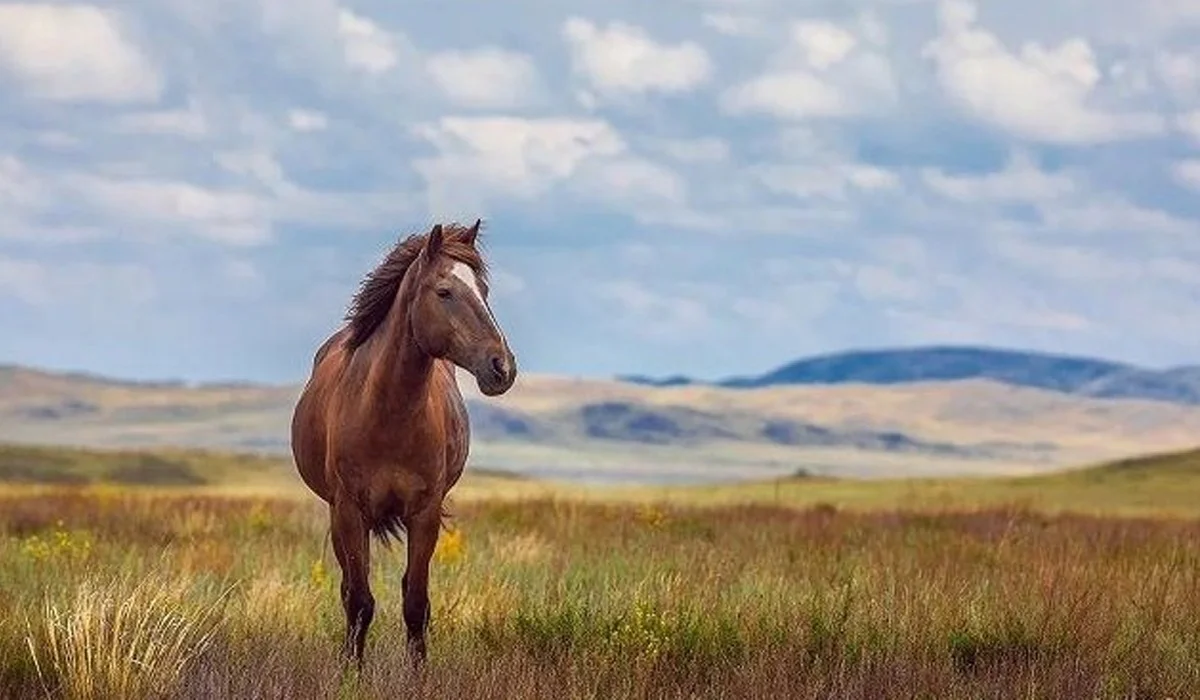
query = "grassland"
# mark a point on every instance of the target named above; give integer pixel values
(1083, 584)
(558, 426)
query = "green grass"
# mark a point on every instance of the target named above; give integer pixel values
(193, 469)
(1163, 484)
(34, 464)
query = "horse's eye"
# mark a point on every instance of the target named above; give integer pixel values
(443, 293)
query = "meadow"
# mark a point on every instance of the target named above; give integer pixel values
(1078, 585)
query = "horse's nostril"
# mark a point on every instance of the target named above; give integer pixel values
(498, 366)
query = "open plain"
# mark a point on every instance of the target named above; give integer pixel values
(220, 583)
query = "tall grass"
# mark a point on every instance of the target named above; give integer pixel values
(119, 639)
(544, 598)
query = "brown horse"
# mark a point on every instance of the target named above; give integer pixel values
(380, 431)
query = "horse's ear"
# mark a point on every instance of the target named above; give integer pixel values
(433, 243)
(473, 232)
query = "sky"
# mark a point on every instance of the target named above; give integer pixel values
(194, 189)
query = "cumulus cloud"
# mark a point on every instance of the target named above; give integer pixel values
(74, 53)
(306, 120)
(485, 78)
(521, 157)
(277, 147)
(1064, 201)
(226, 216)
(1040, 93)
(823, 70)
(1021, 180)
(823, 43)
(366, 46)
(624, 58)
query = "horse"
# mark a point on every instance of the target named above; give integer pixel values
(380, 431)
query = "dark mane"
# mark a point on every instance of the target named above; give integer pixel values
(378, 289)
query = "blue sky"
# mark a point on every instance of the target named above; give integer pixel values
(194, 188)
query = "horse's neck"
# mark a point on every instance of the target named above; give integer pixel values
(401, 371)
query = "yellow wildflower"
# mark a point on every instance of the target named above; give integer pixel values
(449, 547)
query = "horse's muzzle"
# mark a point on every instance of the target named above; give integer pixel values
(497, 374)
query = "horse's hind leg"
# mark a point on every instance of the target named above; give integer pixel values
(422, 539)
(352, 546)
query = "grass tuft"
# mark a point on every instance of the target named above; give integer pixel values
(114, 639)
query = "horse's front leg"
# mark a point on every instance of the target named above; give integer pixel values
(351, 544)
(422, 539)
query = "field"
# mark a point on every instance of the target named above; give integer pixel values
(606, 431)
(1083, 584)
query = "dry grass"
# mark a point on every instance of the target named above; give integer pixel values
(553, 598)
(121, 639)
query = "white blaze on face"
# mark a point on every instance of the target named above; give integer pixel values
(466, 275)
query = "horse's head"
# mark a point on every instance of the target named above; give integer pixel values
(451, 318)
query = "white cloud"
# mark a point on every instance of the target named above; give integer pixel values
(507, 157)
(74, 53)
(624, 58)
(1064, 200)
(1041, 94)
(832, 181)
(487, 77)
(1114, 213)
(823, 43)
(255, 165)
(734, 24)
(824, 70)
(521, 157)
(1020, 181)
(226, 216)
(1180, 73)
(366, 46)
(268, 99)
(1187, 173)
(1189, 124)
(307, 120)
(795, 94)
(1064, 262)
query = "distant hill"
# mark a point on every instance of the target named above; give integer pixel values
(1080, 376)
(870, 414)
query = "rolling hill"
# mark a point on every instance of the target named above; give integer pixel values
(882, 414)
(1079, 376)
